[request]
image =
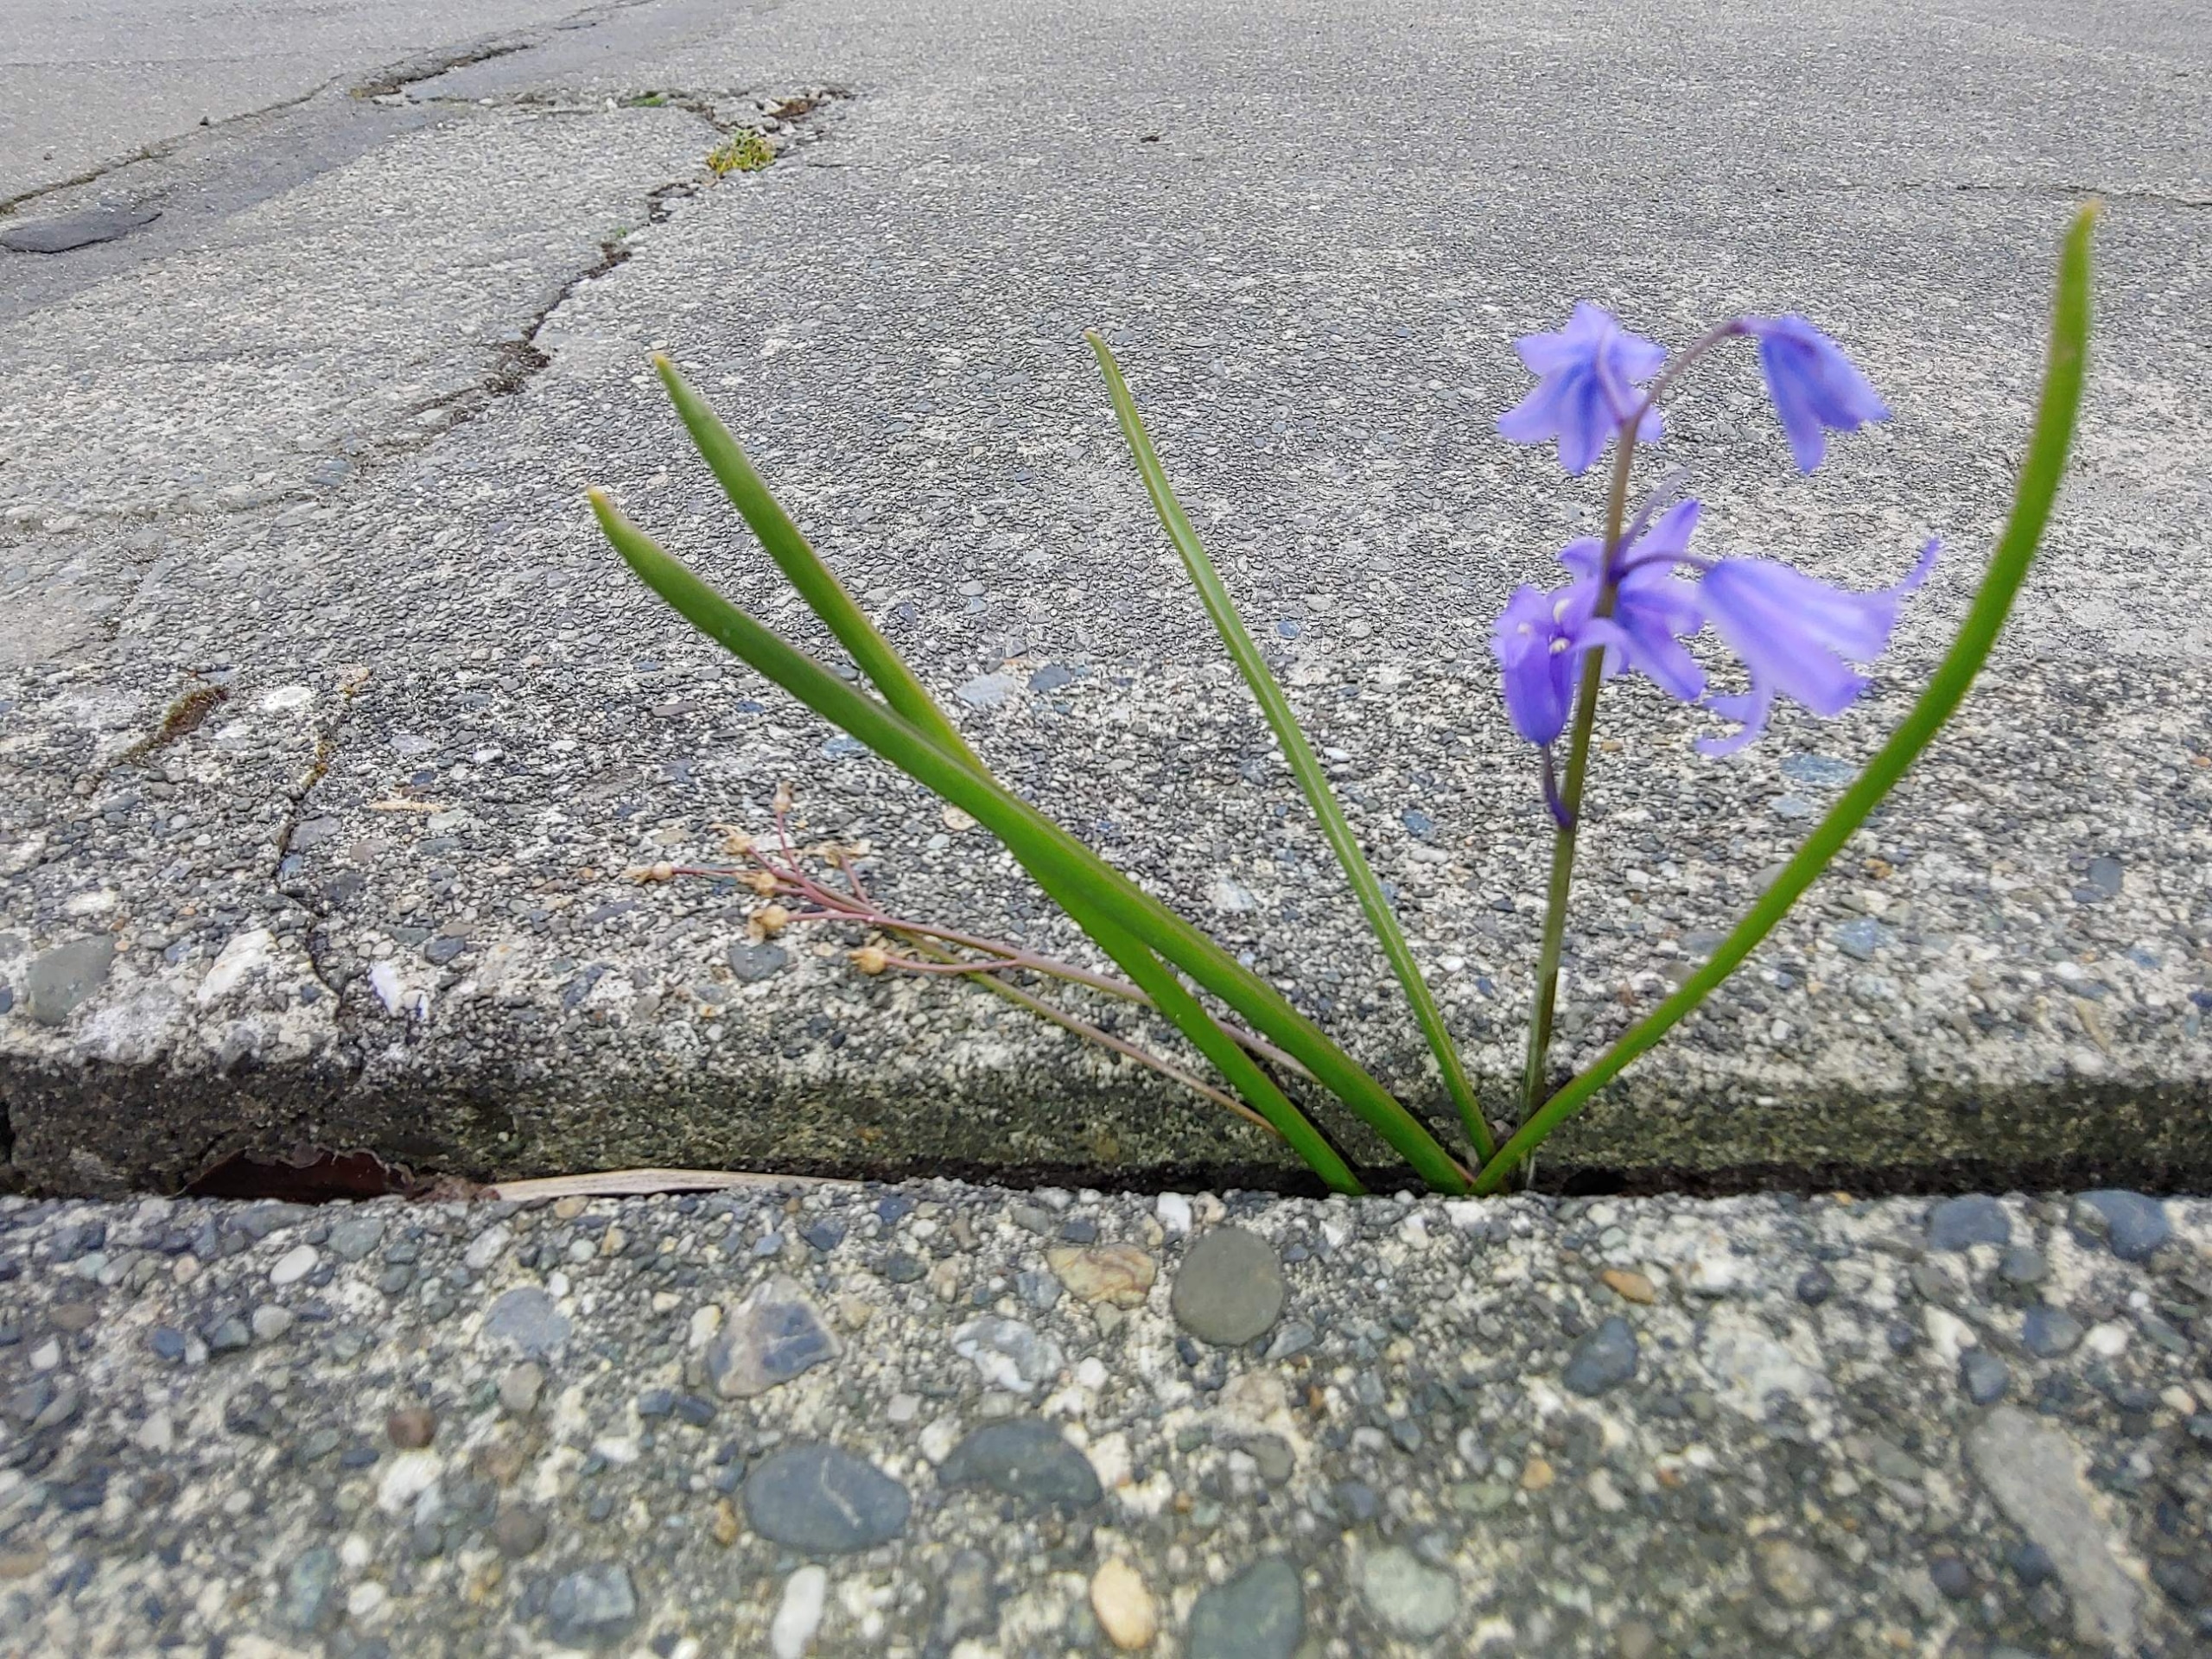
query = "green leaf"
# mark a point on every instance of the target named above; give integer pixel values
(1992, 603)
(1304, 764)
(829, 600)
(802, 568)
(1052, 855)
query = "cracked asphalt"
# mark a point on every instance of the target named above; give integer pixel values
(312, 434)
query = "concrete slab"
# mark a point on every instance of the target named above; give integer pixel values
(936, 1419)
(1312, 235)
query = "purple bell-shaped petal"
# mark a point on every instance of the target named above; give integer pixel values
(1537, 661)
(1796, 635)
(1816, 390)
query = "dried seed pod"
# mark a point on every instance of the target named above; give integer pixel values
(871, 959)
(770, 920)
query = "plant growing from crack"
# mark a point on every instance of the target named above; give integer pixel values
(1626, 607)
(744, 151)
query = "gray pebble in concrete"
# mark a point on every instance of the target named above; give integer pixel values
(2021, 1265)
(1259, 1614)
(355, 1237)
(64, 977)
(1983, 1376)
(1976, 1218)
(593, 1605)
(1230, 1288)
(1408, 1596)
(519, 1531)
(519, 1386)
(818, 1498)
(1273, 1456)
(1859, 938)
(773, 1336)
(2049, 1332)
(529, 1318)
(986, 691)
(309, 1582)
(2133, 1226)
(1820, 771)
(1603, 1358)
(753, 962)
(2031, 1469)
(1951, 1576)
(1025, 1459)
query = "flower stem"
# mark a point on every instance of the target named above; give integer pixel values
(1567, 809)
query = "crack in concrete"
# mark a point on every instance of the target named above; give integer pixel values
(163, 148)
(397, 78)
(314, 939)
(388, 80)
(2060, 190)
(518, 361)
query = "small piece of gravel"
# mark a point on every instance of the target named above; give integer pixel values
(1230, 1287)
(1609, 1429)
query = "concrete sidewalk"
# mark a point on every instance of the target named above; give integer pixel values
(947, 1420)
(302, 459)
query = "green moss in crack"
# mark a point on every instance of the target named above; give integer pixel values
(745, 151)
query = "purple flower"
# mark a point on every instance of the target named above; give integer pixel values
(1653, 610)
(1540, 636)
(1538, 661)
(1797, 635)
(1587, 375)
(1815, 389)
(1794, 633)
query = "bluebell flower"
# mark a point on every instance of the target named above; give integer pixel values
(1797, 635)
(1794, 634)
(1587, 376)
(1540, 636)
(1537, 661)
(1816, 390)
(1653, 610)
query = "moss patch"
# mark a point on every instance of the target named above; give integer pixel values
(745, 151)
